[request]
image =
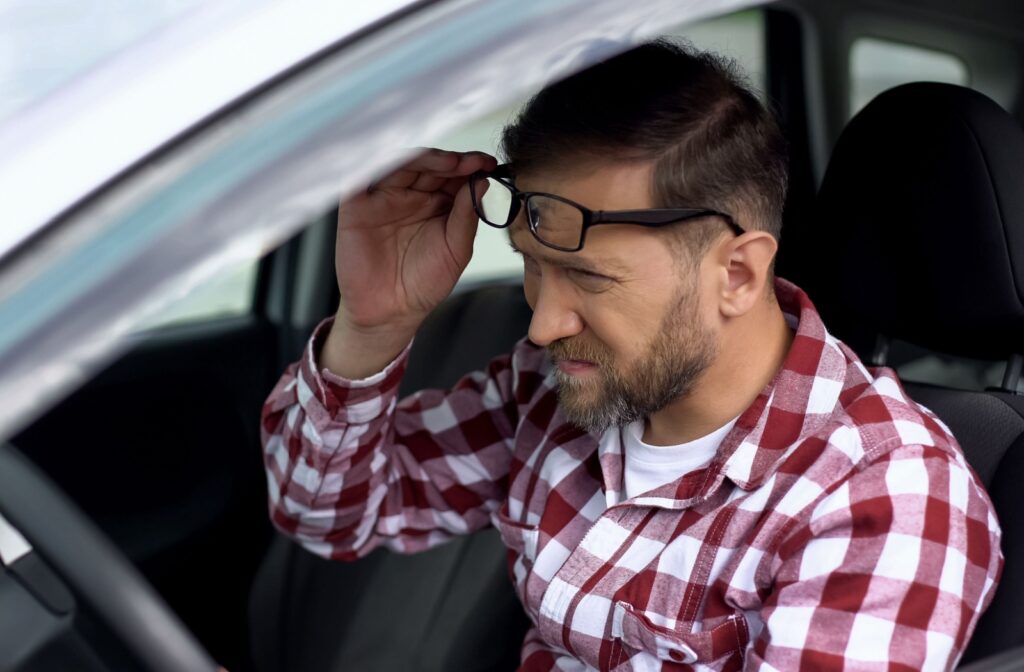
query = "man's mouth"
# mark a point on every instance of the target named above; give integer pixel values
(576, 367)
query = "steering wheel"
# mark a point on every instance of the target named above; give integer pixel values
(95, 570)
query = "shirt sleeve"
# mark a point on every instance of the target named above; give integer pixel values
(890, 572)
(349, 468)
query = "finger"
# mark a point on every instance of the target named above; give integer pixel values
(419, 205)
(405, 176)
(436, 163)
(439, 204)
(470, 162)
(428, 182)
(452, 185)
(400, 178)
(429, 161)
(409, 179)
(460, 229)
(367, 211)
(421, 182)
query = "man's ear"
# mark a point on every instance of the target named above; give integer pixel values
(744, 266)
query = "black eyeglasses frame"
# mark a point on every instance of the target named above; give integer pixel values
(651, 217)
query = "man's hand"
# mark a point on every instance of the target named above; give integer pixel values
(401, 247)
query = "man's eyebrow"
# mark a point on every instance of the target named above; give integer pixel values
(572, 262)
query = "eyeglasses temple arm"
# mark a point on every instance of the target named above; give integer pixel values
(659, 218)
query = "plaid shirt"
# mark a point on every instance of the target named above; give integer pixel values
(838, 527)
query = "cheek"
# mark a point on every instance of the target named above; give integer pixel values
(627, 325)
(613, 330)
(530, 289)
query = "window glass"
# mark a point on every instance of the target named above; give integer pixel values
(919, 365)
(227, 294)
(948, 371)
(739, 36)
(877, 65)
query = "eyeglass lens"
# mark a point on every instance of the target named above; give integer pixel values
(555, 222)
(495, 206)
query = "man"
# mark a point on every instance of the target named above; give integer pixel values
(686, 467)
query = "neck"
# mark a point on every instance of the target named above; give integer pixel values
(753, 348)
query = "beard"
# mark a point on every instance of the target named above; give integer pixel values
(667, 370)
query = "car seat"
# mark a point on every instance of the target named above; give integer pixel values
(918, 237)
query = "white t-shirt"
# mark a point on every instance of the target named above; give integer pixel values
(647, 467)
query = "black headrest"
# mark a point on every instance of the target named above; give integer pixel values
(919, 227)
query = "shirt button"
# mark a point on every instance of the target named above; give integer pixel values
(683, 654)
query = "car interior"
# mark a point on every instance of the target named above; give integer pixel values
(904, 223)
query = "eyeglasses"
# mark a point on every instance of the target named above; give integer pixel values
(558, 222)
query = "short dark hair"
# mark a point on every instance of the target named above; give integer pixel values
(713, 142)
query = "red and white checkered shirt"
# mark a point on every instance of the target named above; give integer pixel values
(838, 527)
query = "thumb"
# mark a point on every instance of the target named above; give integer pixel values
(460, 229)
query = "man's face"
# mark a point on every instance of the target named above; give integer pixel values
(623, 319)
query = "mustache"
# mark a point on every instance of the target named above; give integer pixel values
(579, 350)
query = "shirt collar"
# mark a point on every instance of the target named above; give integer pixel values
(796, 403)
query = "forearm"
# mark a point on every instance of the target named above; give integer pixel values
(349, 468)
(320, 438)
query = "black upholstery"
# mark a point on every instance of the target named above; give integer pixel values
(466, 332)
(1002, 626)
(924, 196)
(919, 236)
(989, 422)
(450, 608)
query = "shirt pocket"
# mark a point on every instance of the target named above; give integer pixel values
(642, 645)
(519, 537)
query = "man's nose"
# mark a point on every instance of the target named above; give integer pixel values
(554, 316)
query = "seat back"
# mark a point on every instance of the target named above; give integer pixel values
(919, 238)
(450, 608)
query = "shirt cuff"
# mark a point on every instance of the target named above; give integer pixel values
(336, 392)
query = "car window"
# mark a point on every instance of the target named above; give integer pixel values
(229, 293)
(740, 36)
(258, 166)
(877, 65)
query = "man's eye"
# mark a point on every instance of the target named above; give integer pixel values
(589, 279)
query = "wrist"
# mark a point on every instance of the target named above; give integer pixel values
(355, 352)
